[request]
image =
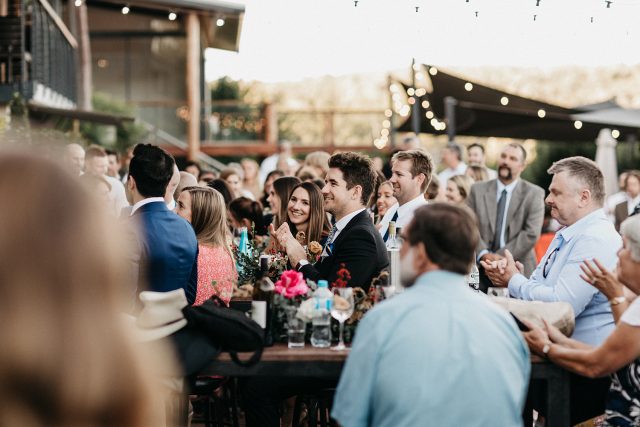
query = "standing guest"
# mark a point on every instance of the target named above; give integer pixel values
(223, 188)
(477, 173)
(171, 189)
(205, 209)
(576, 195)
(251, 177)
(193, 168)
(99, 187)
(318, 161)
(384, 201)
(613, 200)
(268, 185)
(305, 173)
(619, 355)
(452, 160)
(186, 180)
(631, 206)
(114, 164)
(402, 345)
(353, 241)
(435, 192)
(97, 164)
(281, 160)
(71, 361)
(305, 214)
(458, 189)
(510, 212)
(74, 158)
(475, 154)
(124, 166)
(245, 212)
(278, 197)
(410, 176)
(233, 177)
(167, 249)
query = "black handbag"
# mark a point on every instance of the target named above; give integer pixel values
(229, 329)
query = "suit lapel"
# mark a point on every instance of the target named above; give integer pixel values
(490, 203)
(355, 220)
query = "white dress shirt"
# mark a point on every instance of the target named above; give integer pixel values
(143, 202)
(405, 213)
(444, 176)
(632, 203)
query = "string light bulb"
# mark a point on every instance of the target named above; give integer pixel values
(577, 124)
(504, 100)
(220, 22)
(468, 86)
(78, 3)
(615, 133)
(126, 10)
(172, 16)
(541, 113)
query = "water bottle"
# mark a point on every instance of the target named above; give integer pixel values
(393, 251)
(321, 335)
(473, 279)
(243, 245)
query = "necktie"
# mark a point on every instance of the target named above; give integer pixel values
(636, 210)
(502, 204)
(386, 233)
(327, 244)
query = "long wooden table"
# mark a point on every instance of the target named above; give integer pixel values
(326, 363)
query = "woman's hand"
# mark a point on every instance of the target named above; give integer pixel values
(536, 338)
(602, 279)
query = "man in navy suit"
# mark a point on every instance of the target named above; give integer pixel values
(167, 246)
(354, 241)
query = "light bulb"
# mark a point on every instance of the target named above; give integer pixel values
(172, 16)
(125, 10)
(220, 22)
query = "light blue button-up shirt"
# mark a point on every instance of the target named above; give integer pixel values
(438, 354)
(591, 237)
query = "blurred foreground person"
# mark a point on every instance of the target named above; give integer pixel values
(432, 354)
(619, 355)
(66, 358)
(458, 189)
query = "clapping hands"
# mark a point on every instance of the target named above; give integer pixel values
(294, 249)
(500, 271)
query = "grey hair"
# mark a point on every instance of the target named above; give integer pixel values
(630, 229)
(585, 170)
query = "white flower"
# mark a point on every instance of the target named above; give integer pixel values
(305, 312)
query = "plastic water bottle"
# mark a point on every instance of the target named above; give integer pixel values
(473, 280)
(321, 335)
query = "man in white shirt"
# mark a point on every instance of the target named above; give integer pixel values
(74, 157)
(475, 153)
(283, 158)
(97, 163)
(631, 205)
(452, 159)
(410, 176)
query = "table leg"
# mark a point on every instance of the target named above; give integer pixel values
(558, 398)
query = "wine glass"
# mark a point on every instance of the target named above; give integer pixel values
(341, 310)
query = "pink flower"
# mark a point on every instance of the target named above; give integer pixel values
(291, 284)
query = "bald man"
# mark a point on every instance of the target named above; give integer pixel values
(74, 158)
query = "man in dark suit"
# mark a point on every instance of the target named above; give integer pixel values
(167, 248)
(510, 212)
(353, 241)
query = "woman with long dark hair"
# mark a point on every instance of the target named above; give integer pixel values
(305, 214)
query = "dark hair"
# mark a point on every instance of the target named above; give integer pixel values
(455, 148)
(245, 208)
(151, 168)
(283, 187)
(449, 234)
(475, 145)
(192, 163)
(223, 188)
(380, 178)
(357, 169)
(318, 221)
(274, 172)
(112, 153)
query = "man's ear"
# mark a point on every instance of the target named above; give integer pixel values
(420, 257)
(131, 183)
(357, 192)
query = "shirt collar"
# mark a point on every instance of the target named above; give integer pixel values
(411, 205)
(509, 187)
(171, 205)
(345, 220)
(576, 228)
(146, 201)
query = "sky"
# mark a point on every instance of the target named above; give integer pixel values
(289, 40)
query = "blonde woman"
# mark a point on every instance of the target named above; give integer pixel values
(66, 357)
(205, 209)
(458, 189)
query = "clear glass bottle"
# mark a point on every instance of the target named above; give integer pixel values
(393, 251)
(473, 279)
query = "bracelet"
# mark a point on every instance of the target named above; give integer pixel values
(617, 300)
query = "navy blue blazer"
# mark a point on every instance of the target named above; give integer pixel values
(168, 251)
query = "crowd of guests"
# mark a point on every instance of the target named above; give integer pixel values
(178, 230)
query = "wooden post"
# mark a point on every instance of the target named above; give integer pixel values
(271, 124)
(193, 85)
(84, 76)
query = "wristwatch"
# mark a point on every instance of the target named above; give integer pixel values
(301, 264)
(617, 300)
(546, 348)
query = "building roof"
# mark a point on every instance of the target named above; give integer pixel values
(183, 5)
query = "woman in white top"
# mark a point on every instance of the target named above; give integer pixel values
(619, 355)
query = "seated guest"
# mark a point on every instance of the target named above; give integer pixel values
(233, 177)
(268, 185)
(353, 241)
(251, 181)
(245, 212)
(67, 358)
(278, 198)
(204, 208)
(223, 188)
(576, 195)
(477, 173)
(166, 252)
(305, 214)
(435, 192)
(619, 355)
(458, 189)
(186, 180)
(432, 354)
(384, 200)
(319, 162)
(305, 173)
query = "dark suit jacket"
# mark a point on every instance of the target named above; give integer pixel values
(359, 247)
(167, 251)
(620, 213)
(524, 219)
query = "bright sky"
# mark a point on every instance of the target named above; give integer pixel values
(287, 40)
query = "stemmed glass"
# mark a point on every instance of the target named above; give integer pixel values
(341, 310)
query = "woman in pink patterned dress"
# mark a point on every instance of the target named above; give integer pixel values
(205, 209)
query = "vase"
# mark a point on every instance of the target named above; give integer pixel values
(296, 328)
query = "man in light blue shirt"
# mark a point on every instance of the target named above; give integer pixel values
(439, 353)
(576, 197)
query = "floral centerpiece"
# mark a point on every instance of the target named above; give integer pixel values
(290, 292)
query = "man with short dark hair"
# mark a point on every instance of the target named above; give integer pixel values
(114, 164)
(167, 245)
(433, 354)
(452, 160)
(410, 176)
(353, 241)
(475, 155)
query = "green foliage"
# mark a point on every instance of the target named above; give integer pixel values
(226, 89)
